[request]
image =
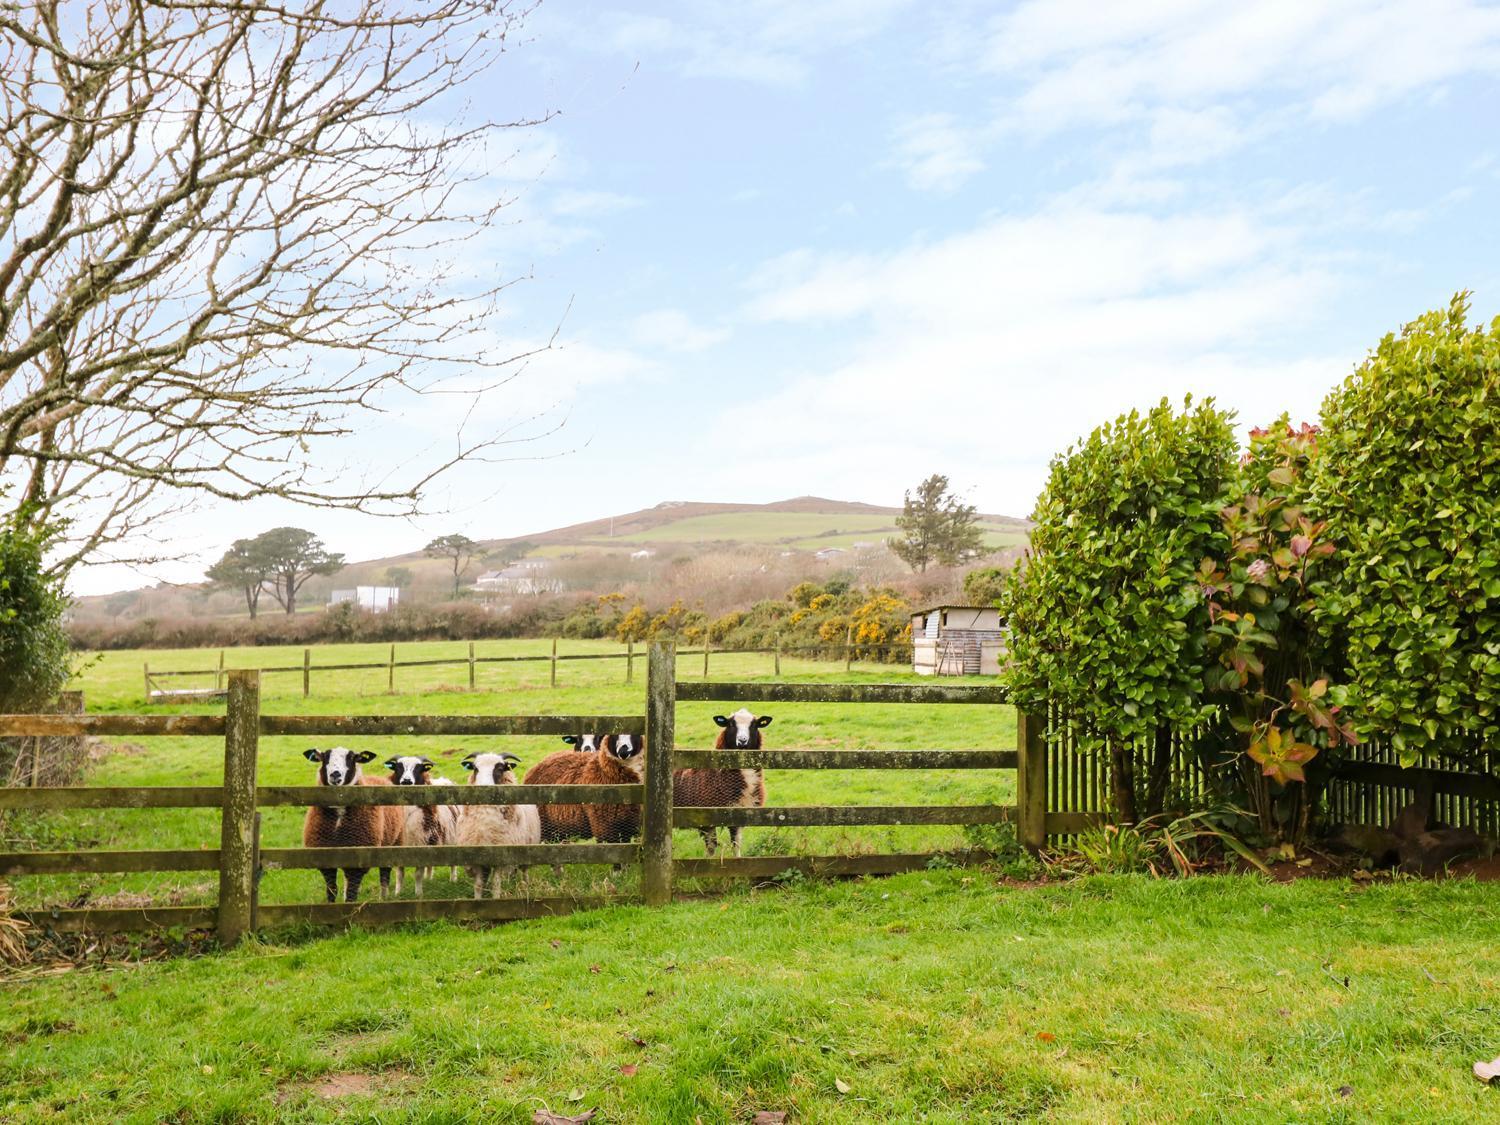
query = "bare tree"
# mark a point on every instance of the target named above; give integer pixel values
(228, 232)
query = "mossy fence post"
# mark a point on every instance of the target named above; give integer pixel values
(306, 672)
(554, 661)
(656, 820)
(1031, 780)
(471, 665)
(629, 661)
(237, 837)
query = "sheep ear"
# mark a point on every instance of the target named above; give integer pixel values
(365, 756)
(468, 763)
(510, 759)
(426, 761)
(571, 739)
(763, 721)
(312, 755)
(721, 720)
(390, 763)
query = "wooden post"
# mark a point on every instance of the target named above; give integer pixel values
(629, 661)
(471, 665)
(778, 656)
(306, 672)
(848, 648)
(255, 878)
(707, 644)
(219, 675)
(390, 674)
(554, 661)
(146, 671)
(1031, 780)
(237, 838)
(656, 820)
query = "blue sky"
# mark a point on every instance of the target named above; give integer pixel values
(831, 246)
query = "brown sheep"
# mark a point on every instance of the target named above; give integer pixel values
(352, 826)
(716, 788)
(620, 760)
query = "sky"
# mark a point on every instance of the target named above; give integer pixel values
(829, 247)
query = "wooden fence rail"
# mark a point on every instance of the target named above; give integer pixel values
(157, 691)
(241, 858)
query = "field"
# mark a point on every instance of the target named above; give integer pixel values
(804, 530)
(113, 682)
(947, 995)
(935, 996)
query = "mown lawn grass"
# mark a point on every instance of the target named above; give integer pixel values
(113, 682)
(936, 996)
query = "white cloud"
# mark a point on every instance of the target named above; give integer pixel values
(936, 152)
(576, 203)
(985, 353)
(672, 330)
(1084, 63)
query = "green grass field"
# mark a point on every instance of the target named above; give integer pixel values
(936, 996)
(114, 682)
(806, 530)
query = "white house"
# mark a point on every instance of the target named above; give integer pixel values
(529, 576)
(375, 599)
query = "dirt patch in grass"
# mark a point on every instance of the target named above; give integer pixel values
(344, 1084)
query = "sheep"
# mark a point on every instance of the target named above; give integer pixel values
(711, 788)
(495, 824)
(353, 826)
(425, 825)
(620, 760)
(588, 743)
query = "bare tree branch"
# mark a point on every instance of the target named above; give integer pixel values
(229, 232)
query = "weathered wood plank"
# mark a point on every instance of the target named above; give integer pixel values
(846, 759)
(375, 912)
(840, 693)
(442, 855)
(1410, 777)
(356, 725)
(114, 921)
(1031, 780)
(237, 842)
(769, 866)
(343, 796)
(656, 828)
(49, 726)
(1066, 823)
(114, 797)
(814, 815)
(98, 862)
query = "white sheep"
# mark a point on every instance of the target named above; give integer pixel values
(424, 825)
(495, 824)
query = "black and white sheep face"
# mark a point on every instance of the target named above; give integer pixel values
(491, 769)
(744, 728)
(409, 769)
(340, 765)
(586, 742)
(627, 747)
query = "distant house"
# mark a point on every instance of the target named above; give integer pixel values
(374, 599)
(529, 576)
(957, 640)
(828, 554)
(642, 554)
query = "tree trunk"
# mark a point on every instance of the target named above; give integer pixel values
(1122, 781)
(1161, 771)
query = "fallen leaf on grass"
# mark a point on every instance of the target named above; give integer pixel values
(769, 1117)
(1487, 1071)
(547, 1117)
(636, 1039)
(594, 968)
(1045, 1036)
(841, 1086)
(575, 1095)
(628, 1070)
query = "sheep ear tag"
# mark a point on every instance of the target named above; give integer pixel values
(468, 764)
(313, 755)
(763, 721)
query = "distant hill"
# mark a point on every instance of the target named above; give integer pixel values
(802, 523)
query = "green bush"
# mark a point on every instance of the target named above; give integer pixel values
(1408, 477)
(1106, 615)
(34, 650)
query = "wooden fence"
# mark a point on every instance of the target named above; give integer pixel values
(159, 690)
(240, 858)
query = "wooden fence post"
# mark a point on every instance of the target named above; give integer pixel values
(471, 665)
(554, 661)
(656, 819)
(629, 661)
(237, 856)
(848, 648)
(707, 644)
(219, 675)
(778, 657)
(306, 672)
(390, 676)
(146, 671)
(1031, 780)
